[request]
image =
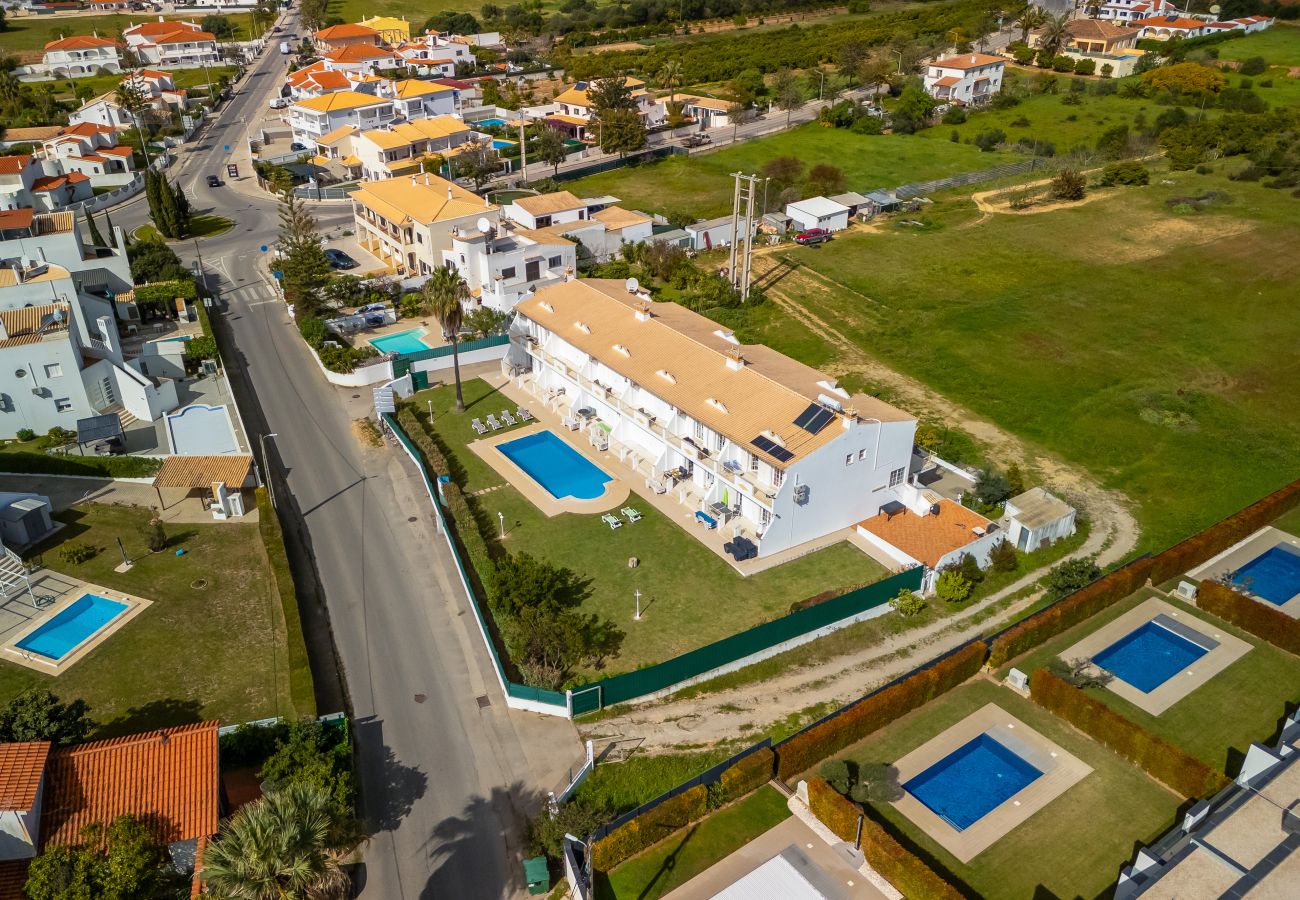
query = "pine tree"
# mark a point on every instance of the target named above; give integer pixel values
(154, 197)
(304, 267)
(95, 237)
(183, 216)
(112, 235)
(167, 220)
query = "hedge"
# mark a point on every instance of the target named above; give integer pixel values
(833, 809)
(1157, 757)
(1218, 537)
(25, 462)
(166, 291)
(649, 828)
(1069, 611)
(829, 736)
(1259, 618)
(748, 774)
(302, 688)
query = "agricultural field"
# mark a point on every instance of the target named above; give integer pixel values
(34, 32)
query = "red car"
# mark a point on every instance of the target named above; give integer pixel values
(812, 236)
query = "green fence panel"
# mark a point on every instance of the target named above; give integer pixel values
(463, 347)
(728, 650)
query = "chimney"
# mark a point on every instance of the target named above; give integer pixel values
(643, 313)
(449, 190)
(412, 181)
(735, 362)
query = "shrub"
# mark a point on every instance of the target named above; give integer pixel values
(1070, 184)
(26, 434)
(1157, 757)
(900, 867)
(989, 139)
(837, 775)
(877, 709)
(649, 828)
(58, 436)
(76, 553)
(1200, 547)
(155, 536)
(311, 753)
(1260, 619)
(313, 331)
(1071, 575)
(953, 587)
(1127, 172)
(1062, 63)
(907, 603)
(748, 774)
(833, 809)
(955, 115)
(867, 125)
(1085, 67)
(1003, 557)
(1255, 65)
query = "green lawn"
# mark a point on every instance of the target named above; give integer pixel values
(194, 80)
(672, 863)
(200, 226)
(683, 584)
(1119, 335)
(1289, 522)
(1075, 845)
(623, 786)
(701, 186)
(1279, 45)
(1218, 721)
(212, 652)
(34, 32)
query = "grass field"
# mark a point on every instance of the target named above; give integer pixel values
(1218, 721)
(1279, 45)
(1075, 845)
(201, 226)
(701, 186)
(34, 32)
(674, 862)
(1140, 343)
(213, 652)
(681, 581)
(194, 80)
(623, 786)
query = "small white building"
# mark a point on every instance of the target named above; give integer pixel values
(173, 45)
(503, 265)
(1037, 516)
(24, 521)
(968, 79)
(712, 233)
(545, 210)
(1134, 10)
(80, 55)
(818, 212)
(705, 112)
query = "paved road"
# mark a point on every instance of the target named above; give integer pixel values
(446, 784)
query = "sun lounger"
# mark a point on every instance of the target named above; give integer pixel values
(524, 415)
(706, 520)
(632, 514)
(571, 423)
(507, 418)
(479, 427)
(656, 485)
(492, 422)
(612, 520)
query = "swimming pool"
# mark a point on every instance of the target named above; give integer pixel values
(499, 144)
(402, 342)
(557, 467)
(492, 123)
(1149, 656)
(972, 781)
(78, 623)
(1274, 575)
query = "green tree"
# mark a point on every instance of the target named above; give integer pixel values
(992, 488)
(313, 755)
(1068, 576)
(38, 715)
(445, 295)
(478, 161)
(220, 26)
(112, 234)
(485, 321)
(877, 783)
(838, 775)
(787, 93)
(952, 587)
(826, 179)
(550, 147)
(784, 171)
(304, 268)
(1056, 33)
(155, 536)
(1015, 480)
(546, 643)
(913, 109)
(121, 862)
(1003, 557)
(620, 131)
(670, 78)
(130, 96)
(1113, 142)
(578, 817)
(287, 845)
(312, 13)
(519, 580)
(96, 238)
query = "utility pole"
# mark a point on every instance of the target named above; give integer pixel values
(745, 189)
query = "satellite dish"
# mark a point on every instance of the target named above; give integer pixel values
(1215, 9)
(58, 314)
(632, 285)
(484, 224)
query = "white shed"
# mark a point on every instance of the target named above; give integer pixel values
(1036, 516)
(712, 233)
(819, 212)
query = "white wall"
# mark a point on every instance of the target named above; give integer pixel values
(140, 398)
(474, 356)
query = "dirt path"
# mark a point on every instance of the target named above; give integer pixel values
(725, 715)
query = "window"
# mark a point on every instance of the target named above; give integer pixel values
(508, 272)
(63, 404)
(554, 262)
(862, 454)
(764, 516)
(719, 442)
(778, 476)
(543, 221)
(699, 431)
(896, 477)
(419, 238)
(753, 462)
(848, 459)
(53, 370)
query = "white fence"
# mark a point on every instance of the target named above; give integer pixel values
(118, 194)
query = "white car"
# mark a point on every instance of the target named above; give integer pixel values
(279, 102)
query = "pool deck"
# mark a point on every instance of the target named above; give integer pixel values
(18, 619)
(1239, 554)
(615, 494)
(1061, 771)
(1223, 650)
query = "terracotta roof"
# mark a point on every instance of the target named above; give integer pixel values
(233, 469)
(86, 129)
(179, 37)
(14, 165)
(21, 767)
(16, 218)
(340, 100)
(1099, 30)
(567, 120)
(546, 204)
(34, 133)
(116, 151)
(346, 30)
(968, 61)
(430, 199)
(413, 87)
(168, 779)
(618, 217)
(336, 135)
(578, 97)
(947, 81)
(928, 538)
(453, 83)
(54, 182)
(704, 102)
(156, 28)
(81, 42)
(357, 53)
(1176, 22)
(13, 877)
(335, 81)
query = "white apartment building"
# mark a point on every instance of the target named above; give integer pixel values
(361, 59)
(89, 150)
(61, 357)
(398, 149)
(505, 264)
(73, 57)
(174, 45)
(601, 226)
(1134, 10)
(415, 99)
(435, 54)
(576, 108)
(751, 440)
(318, 116)
(968, 79)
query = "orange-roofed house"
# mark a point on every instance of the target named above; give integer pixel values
(172, 45)
(1172, 25)
(969, 79)
(91, 150)
(1128, 11)
(72, 57)
(53, 192)
(337, 37)
(434, 54)
(316, 117)
(17, 176)
(361, 58)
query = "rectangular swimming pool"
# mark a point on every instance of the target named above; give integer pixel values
(1274, 575)
(557, 467)
(402, 342)
(972, 781)
(1149, 656)
(79, 622)
(491, 123)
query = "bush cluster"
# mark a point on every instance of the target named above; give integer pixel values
(833, 809)
(649, 828)
(823, 739)
(1260, 619)
(1126, 172)
(1157, 757)
(76, 552)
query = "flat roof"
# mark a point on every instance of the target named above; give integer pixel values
(929, 538)
(819, 207)
(1036, 508)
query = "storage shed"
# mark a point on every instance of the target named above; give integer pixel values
(1037, 516)
(818, 212)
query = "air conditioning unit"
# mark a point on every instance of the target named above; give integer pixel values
(1187, 590)
(801, 494)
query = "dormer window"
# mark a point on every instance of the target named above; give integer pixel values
(667, 376)
(583, 327)
(619, 348)
(717, 404)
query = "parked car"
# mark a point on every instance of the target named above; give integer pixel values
(213, 181)
(812, 236)
(297, 146)
(699, 139)
(369, 307)
(340, 260)
(279, 102)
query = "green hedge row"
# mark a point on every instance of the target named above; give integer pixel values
(749, 774)
(28, 463)
(1259, 618)
(302, 688)
(649, 828)
(1069, 611)
(824, 739)
(1157, 757)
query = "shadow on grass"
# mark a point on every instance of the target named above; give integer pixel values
(153, 715)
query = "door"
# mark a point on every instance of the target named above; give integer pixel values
(1022, 539)
(532, 269)
(106, 388)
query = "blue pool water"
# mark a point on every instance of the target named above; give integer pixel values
(495, 123)
(402, 342)
(1149, 656)
(498, 144)
(1274, 575)
(73, 627)
(186, 337)
(561, 470)
(972, 781)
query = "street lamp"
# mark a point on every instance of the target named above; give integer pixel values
(586, 854)
(502, 517)
(637, 617)
(270, 482)
(430, 412)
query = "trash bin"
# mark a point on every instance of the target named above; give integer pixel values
(537, 875)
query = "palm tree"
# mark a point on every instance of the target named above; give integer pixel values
(1031, 18)
(289, 845)
(445, 294)
(1056, 31)
(670, 77)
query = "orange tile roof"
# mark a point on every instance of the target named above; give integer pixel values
(54, 182)
(929, 538)
(161, 27)
(947, 81)
(1177, 22)
(357, 53)
(86, 129)
(21, 767)
(168, 779)
(16, 218)
(13, 877)
(80, 42)
(346, 30)
(13, 165)
(177, 37)
(968, 61)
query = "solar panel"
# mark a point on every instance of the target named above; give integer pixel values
(98, 428)
(772, 449)
(814, 418)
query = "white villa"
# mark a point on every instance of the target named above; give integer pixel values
(750, 441)
(575, 108)
(175, 45)
(365, 105)
(968, 79)
(1134, 10)
(602, 227)
(73, 57)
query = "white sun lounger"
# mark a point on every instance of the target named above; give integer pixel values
(632, 514)
(571, 423)
(479, 427)
(524, 415)
(612, 520)
(507, 418)
(492, 422)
